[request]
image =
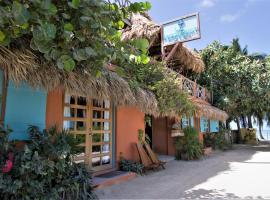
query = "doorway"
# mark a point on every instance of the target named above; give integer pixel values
(90, 121)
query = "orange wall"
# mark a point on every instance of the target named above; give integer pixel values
(54, 110)
(128, 121)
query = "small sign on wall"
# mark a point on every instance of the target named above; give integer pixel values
(183, 29)
(177, 133)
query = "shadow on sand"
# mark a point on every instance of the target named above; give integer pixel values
(179, 177)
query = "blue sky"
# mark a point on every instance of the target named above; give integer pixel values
(222, 20)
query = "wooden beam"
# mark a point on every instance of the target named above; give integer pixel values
(172, 52)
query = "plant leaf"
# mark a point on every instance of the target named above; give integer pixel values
(2, 36)
(68, 27)
(20, 13)
(66, 62)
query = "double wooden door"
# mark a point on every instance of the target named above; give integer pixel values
(90, 121)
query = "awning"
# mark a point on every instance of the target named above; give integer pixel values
(205, 109)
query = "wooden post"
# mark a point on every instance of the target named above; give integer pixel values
(181, 82)
(4, 96)
(194, 89)
(204, 93)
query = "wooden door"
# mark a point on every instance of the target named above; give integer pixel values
(90, 121)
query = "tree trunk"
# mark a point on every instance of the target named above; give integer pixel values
(260, 131)
(227, 125)
(243, 119)
(238, 124)
(249, 121)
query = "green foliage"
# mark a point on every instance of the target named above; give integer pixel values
(140, 137)
(215, 140)
(131, 166)
(188, 147)
(237, 80)
(44, 168)
(74, 33)
(164, 83)
(148, 120)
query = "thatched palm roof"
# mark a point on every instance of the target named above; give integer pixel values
(22, 65)
(141, 26)
(207, 110)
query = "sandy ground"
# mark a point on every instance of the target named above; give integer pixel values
(241, 173)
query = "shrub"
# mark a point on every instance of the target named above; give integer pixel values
(131, 166)
(209, 140)
(216, 140)
(43, 169)
(188, 147)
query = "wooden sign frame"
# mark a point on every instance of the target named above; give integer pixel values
(174, 20)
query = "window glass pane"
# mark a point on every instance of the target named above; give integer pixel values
(106, 126)
(69, 112)
(184, 121)
(69, 125)
(96, 149)
(69, 99)
(106, 137)
(97, 103)
(214, 126)
(97, 126)
(82, 101)
(192, 121)
(96, 162)
(96, 137)
(81, 126)
(105, 160)
(81, 113)
(106, 115)
(204, 124)
(106, 104)
(105, 148)
(97, 114)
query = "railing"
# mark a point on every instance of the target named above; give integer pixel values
(194, 89)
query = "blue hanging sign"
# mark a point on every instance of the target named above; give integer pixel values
(181, 30)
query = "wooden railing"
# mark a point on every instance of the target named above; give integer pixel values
(194, 89)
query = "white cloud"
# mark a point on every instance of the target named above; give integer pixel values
(207, 3)
(229, 17)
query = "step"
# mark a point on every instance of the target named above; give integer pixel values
(111, 178)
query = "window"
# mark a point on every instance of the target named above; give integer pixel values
(204, 125)
(187, 121)
(214, 126)
(91, 121)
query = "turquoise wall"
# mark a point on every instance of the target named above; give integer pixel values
(214, 126)
(24, 106)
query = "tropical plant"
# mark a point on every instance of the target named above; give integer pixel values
(69, 34)
(215, 140)
(131, 166)
(237, 81)
(188, 147)
(43, 169)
